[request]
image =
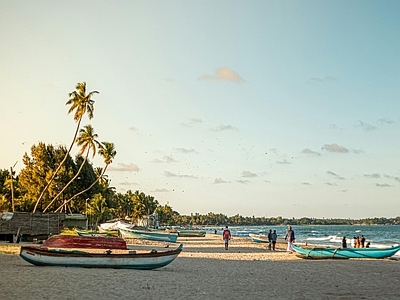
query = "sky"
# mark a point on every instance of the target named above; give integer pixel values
(258, 108)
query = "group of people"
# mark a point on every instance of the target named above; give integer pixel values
(272, 237)
(359, 242)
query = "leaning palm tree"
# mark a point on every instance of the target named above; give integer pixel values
(107, 150)
(87, 141)
(81, 103)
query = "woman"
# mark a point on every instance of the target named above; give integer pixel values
(290, 239)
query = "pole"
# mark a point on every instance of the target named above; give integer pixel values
(86, 214)
(12, 186)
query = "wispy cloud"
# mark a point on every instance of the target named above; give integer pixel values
(133, 128)
(170, 174)
(166, 159)
(310, 152)
(192, 122)
(366, 126)
(335, 175)
(335, 148)
(330, 183)
(224, 74)
(283, 162)
(248, 174)
(126, 183)
(124, 168)
(385, 121)
(161, 191)
(383, 185)
(305, 183)
(242, 181)
(185, 151)
(224, 127)
(219, 180)
(374, 175)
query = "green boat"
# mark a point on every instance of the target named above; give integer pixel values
(344, 253)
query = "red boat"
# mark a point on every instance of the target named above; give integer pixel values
(71, 241)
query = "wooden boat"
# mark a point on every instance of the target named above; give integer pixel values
(188, 232)
(43, 256)
(97, 233)
(146, 234)
(74, 241)
(259, 238)
(344, 253)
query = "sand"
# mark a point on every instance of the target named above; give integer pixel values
(204, 270)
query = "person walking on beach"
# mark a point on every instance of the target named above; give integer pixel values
(274, 237)
(226, 235)
(290, 239)
(362, 241)
(344, 242)
(269, 239)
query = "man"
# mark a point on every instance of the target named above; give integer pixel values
(290, 239)
(269, 239)
(226, 235)
(274, 237)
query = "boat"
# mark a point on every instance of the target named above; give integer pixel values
(96, 233)
(259, 238)
(117, 259)
(74, 241)
(147, 234)
(188, 232)
(344, 253)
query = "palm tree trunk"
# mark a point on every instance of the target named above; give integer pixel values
(59, 166)
(81, 192)
(76, 175)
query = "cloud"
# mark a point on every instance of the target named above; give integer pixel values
(124, 168)
(310, 152)
(128, 183)
(330, 183)
(305, 183)
(248, 174)
(335, 148)
(366, 126)
(382, 185)
(224, 74)
(384, 121)
(219, 180)
(161, 191)
(170, 174)
(397, 179)
(133, 128)
(185, 151)
(283, 162)
(374, 175)
(323, 79)
(192, 122)
(224, 127)
(166, 159)
(243, 181)
(336, 175)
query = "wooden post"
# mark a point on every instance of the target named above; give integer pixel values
(12, 190)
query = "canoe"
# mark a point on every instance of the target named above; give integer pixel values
(43, 256)
(96, 233)
(259, 238)
(73, 241)
(151, 235)
(188, 232)
(344, 253)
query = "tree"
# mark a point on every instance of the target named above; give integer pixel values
(81, 103)
(87, 141)
(107, 150)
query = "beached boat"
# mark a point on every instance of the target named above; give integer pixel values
(188, 232)
(74, 241)
(43, 256)
(147, 234)
(259, 238)
(344, 253)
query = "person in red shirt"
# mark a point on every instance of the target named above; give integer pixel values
(226, 235)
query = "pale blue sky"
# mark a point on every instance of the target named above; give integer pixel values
(277, 108)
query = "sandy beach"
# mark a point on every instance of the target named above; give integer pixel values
(204, 270)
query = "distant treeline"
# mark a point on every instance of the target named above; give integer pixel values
(212, 219)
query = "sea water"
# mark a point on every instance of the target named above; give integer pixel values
(379, 236)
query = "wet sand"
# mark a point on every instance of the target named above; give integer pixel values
(204, 270)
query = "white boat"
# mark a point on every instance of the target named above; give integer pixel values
(147, 234)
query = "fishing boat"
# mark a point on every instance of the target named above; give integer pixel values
(74, 241)
(147, 234)
(188, 232)
(259, 238)
(344, 253)
(111, 258)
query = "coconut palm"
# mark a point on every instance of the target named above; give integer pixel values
(87, 141)
(107, 151)
(81, 103)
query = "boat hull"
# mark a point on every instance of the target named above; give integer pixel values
(258, 238)
(41, 256)
(73, 241)
(149, 235)
(345, 253)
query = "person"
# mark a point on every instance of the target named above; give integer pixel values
(215, 231)
(269, 239)
(274, 237)
(362, 241)
(368, 244)
(290, 239)
(356, 242)
(226, 235)
(344, 242)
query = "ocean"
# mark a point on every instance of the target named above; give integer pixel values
(328, 235)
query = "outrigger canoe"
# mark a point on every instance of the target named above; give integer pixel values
(259, 238)
(152, 235)
(117, 259)
(73, 241)
(344, 253)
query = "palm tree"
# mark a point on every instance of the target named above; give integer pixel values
(81, 103)
(107, 150)
(87, 141)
